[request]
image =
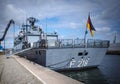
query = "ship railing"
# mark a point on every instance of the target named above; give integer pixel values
(94, 43)
(79, 43)
(65, 43)
(40, 44)
(70, 43)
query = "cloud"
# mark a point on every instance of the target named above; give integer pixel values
(71, 14)
(110, 14)
(73, 25)
(47, 8)
(65, 25)
(103, 29)
(17, 14)
(111, 10)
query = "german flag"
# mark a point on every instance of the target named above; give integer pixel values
(90, 26)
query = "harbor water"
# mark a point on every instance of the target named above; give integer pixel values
(107, 73)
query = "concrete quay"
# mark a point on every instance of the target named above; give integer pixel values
(17, 70)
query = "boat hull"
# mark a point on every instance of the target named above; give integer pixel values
(66, 58)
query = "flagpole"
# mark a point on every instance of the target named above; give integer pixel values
(86, 32)
(85, 37)
(90, 27)
(46, 28)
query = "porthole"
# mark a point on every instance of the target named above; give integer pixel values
(86, 53)
(80, 53)
(83, 53)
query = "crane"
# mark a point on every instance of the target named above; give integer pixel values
(7, 27)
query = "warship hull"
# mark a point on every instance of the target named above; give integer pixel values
(66, 58)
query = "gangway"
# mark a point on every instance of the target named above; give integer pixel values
(11, 52)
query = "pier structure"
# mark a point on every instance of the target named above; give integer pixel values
(18, 70)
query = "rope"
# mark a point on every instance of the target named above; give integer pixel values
(60, 63)
(8, 54)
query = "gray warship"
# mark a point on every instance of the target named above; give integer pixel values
(49, 51)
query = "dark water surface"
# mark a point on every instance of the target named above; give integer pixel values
(107, 73)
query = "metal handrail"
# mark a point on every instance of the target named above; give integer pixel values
(77, 43)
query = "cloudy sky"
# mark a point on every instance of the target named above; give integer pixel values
(67, 17)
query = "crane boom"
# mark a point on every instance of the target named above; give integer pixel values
(5, 32)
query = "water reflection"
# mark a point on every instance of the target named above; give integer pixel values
(91, 76)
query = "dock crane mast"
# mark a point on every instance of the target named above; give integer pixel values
(7, 27)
